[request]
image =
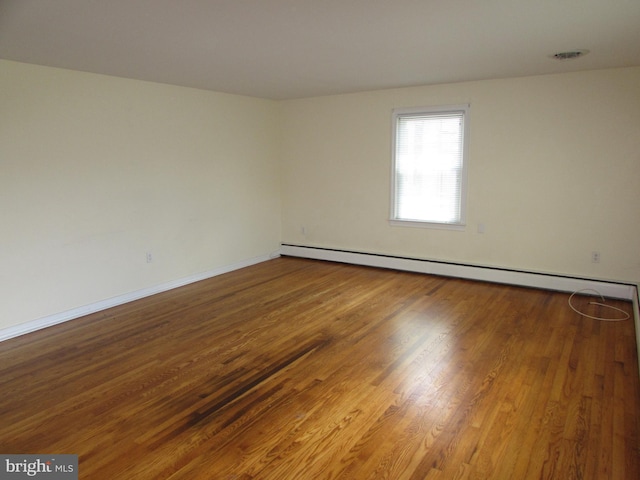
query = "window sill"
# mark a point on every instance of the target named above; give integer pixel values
(436, 226)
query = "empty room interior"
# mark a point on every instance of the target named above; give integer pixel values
(320, 240)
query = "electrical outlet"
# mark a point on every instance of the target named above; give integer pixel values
(595, 257)
(149, 257)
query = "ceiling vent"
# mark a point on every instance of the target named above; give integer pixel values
(571, 55)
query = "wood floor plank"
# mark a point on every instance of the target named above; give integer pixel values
(301, 369)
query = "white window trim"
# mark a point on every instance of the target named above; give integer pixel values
(461, 225)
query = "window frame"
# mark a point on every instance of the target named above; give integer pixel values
(397, 113)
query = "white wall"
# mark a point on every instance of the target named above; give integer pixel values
(95, 171)
(554, 166)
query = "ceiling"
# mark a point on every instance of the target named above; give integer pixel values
(283, 49)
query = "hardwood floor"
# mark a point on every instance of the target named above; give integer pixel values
(300, 369)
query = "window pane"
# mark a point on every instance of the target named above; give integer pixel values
(429, 167)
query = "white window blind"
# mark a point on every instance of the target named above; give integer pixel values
(429, 166)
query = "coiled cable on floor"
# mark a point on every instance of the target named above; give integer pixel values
(627, 316)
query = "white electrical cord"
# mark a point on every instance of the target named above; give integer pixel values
(627, 316)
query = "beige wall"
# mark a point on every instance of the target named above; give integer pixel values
(554, 170)
(95, 171)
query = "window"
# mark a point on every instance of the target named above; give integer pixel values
(429, 170)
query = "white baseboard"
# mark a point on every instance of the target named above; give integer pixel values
(636, 316)
(488, 274)
(61, 317)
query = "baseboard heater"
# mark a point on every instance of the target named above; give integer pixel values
(624, 291)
